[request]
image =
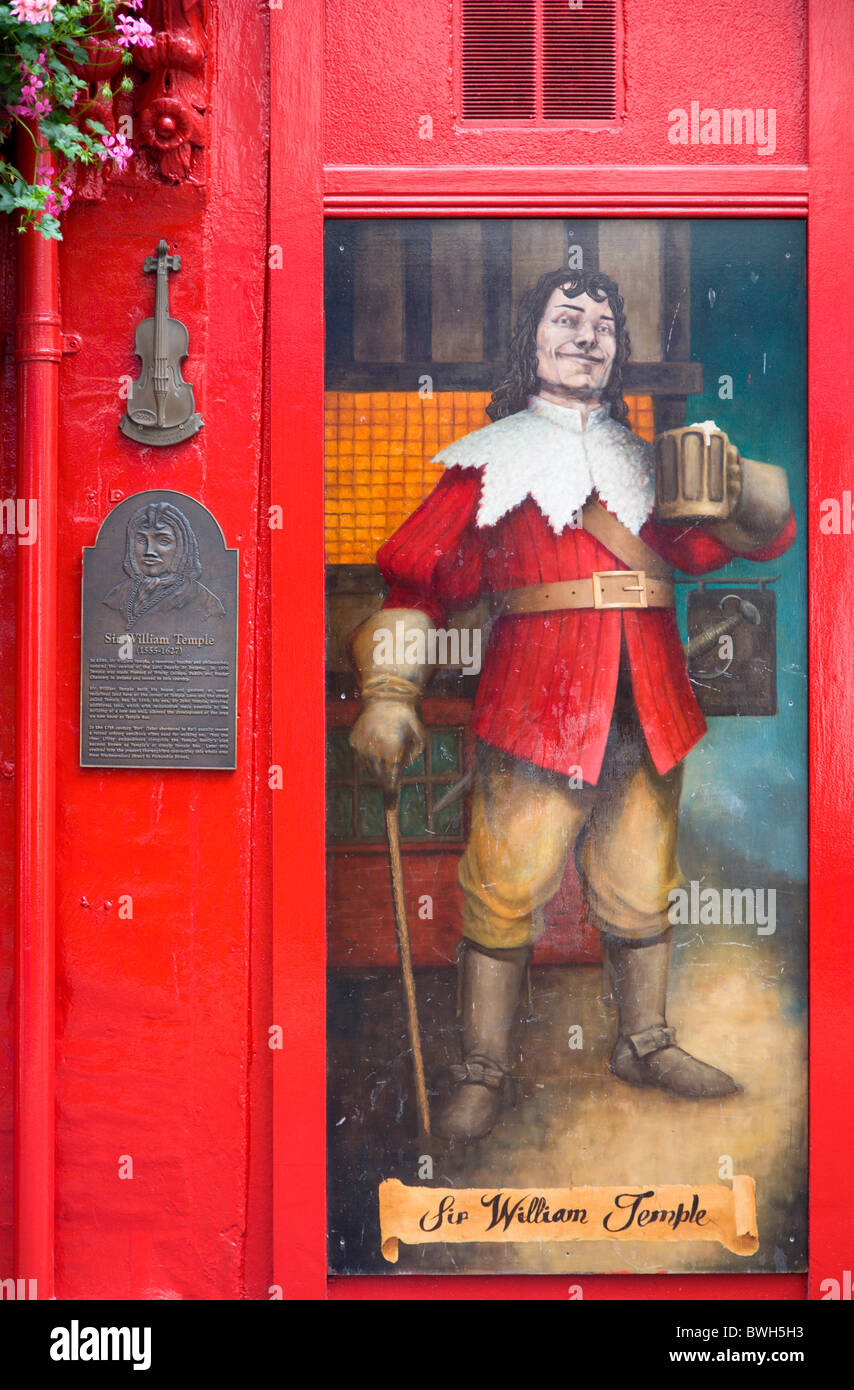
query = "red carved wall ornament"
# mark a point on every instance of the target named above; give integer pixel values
(170, 106)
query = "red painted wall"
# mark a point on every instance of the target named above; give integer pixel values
(718, 52)
(345, 141)
(162, 1020)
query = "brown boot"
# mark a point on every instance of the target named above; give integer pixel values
(646, 1053)
(490, 985)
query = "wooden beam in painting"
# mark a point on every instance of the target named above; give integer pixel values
(582, 243)
(639, 378)
(340, 258)
(378, 293)
(538, 244)
(675, 314)
(630, 252)
(663, 378)
(496, 288)
(676, 290)
(418, 312)
(457, 291)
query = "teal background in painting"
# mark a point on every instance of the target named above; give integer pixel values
(746, 782)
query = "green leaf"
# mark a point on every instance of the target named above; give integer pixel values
(49, 227)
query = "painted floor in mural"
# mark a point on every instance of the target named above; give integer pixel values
(736, 1001)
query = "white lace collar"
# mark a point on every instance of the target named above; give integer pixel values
(543, 452)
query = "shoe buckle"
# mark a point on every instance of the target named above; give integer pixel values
(473, 1072)
(652, 1040)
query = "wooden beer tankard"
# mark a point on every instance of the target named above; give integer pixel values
(691, 474)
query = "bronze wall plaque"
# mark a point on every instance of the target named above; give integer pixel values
(159, 638)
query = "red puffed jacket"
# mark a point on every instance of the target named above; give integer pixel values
(504, 516)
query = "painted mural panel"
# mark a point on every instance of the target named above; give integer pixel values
(566, 771)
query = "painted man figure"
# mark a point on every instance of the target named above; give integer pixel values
(584, 711)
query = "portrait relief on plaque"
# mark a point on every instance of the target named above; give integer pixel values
(566, 745)
(163, 566)
(158, 681)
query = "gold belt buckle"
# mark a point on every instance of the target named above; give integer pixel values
(619, 582)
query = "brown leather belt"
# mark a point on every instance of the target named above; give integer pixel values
(603, 589)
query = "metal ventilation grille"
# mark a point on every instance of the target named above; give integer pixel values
(538, 61)
(498, 60)
(580, 61)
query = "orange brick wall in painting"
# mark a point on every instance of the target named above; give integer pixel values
(379, 447)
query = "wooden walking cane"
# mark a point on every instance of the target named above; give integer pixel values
(392, 826)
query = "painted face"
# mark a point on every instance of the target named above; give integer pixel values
(576, 343)
(155, 547)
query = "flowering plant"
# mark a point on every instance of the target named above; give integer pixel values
(49, 51)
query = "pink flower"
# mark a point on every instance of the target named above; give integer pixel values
(33, 11)
(51, 204)
(31, 106)
(116, 148)
(45, 176)
(134, 31)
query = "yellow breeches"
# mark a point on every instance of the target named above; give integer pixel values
(527, 820)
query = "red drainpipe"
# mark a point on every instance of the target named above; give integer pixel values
(38, 352)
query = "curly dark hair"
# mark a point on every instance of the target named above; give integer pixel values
(521, 380)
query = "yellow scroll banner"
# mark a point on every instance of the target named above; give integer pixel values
(418, 1215)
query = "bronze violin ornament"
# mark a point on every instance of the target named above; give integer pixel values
(161, 408)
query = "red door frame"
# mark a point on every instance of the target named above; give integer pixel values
(302, 192)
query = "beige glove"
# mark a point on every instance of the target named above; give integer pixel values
(759, 493)
(389, 734)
